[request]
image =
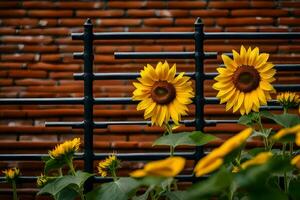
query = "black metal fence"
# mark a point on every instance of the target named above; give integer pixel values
(88, 101)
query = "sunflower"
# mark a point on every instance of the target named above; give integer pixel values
(168, 167)
(108, 166)
(289, 133)
(259, 159)
(245, 82)
(296, 161)
(163, 95)
(42, 180)
(11, 173)
(288, 99)
(68, 148)
(215, 159)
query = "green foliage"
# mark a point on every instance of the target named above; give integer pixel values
(286, 120)
(61, 183)
(176, 195)
(250, 119)
(52, 164)
(122, 189)
(216, 184)
(185, 138)
(294, 189)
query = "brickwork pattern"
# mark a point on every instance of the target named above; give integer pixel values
(36, 61)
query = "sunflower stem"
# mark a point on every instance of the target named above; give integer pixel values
(170, 132)
(284, 174)
(70, 165)
(113, 174)
(14, 187)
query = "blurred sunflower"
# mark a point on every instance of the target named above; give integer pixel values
(259, 159)
(163, 95)
(245, 82)
(168, 167)
(215, 158)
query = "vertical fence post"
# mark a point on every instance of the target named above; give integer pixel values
(199, 81)
(88, 57)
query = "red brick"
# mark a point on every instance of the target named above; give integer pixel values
(11, 65)
(290, 4)
(147, 48)
(111, 49)
(190, 22)
(27, 74)
(228, 4)
(141, 13)
(9, 4)
(8, 48)
(6, 82)
(38, 49)
(129, 4)
(27, 39)
(244, 21)
(47, 23)
(61, 75)
(155, 4)
(296, 12)
(99, 13)
(263, 4)
(124, 145)
(173, 13)
(177, 29)
(48, 31)
(20, 22)
(51, 58)
(38, 4)
(119, 22)
(55, 89)
(71, 22)
(54, 67)
(7, 31)
(186, 4)
(18, 57)
(158, 22)
(29, 82)
(12, 13)
(289, 21)
(209, 13)
(260, 13)
(78, 5)
(70, 48)
(50, 13)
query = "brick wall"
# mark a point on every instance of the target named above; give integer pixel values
(36, 61)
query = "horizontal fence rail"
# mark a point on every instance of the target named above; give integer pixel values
(198, 75)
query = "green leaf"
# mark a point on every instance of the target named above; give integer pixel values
(214, 185)
(294, 189)
(264, 134)
(176, 195)
(52, 164)
(285, 120)
(145, 195)
(257, 176)
(249, 120)
(66, 194)
(61, 183)
(121, 189)
(185, 138)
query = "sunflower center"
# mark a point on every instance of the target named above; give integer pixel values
(163, 92)
(246, 78)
